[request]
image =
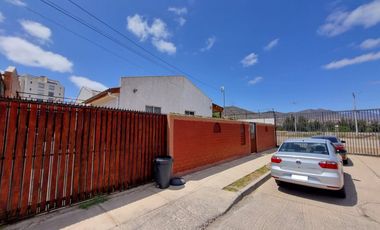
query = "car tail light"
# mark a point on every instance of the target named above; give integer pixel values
(328, 164)
(276, 160)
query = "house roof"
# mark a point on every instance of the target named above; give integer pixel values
(102, 94)
(217, 108)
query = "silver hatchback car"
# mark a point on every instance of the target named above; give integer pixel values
(309, 162)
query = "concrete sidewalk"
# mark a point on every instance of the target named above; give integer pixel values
(188, 207)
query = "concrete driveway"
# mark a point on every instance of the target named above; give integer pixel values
(295, 207)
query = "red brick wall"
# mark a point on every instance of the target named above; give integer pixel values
(265, 137)
(194, 144)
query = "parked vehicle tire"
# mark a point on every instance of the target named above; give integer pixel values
(279, 183)
(345, 162)
(341, 193)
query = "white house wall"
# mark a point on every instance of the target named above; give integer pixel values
(172, 94)
(85, 94)
(110, 101)
(260, 120)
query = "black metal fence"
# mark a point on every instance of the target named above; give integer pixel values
(359, 128)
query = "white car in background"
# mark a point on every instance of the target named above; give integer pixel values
(309, 162)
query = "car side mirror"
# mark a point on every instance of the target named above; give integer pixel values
(343, 141)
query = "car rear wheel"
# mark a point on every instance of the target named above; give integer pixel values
(279, 183)
(341, 193)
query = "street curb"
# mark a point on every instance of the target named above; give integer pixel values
(250, 188)
(241, 194)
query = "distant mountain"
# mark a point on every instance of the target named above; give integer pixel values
(314, 111)
(234, 110)
(330, 115)
(310, 114)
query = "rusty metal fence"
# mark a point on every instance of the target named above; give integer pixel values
(54, 155)
(359, 128)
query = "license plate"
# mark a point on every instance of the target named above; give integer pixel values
(299, 177)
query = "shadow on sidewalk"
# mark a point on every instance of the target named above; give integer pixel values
(350, 163)
(69, 216)
(323, 195)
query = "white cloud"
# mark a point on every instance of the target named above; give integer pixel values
(370, 43)
(86, 82)
(375, 82)
(138, 26)
(157, 32)
(181, 21)
(352, 61)
(2, 17)
(255, 80)
(366, 15)
(17, 2)
(23, 52)
(272, 44)
(178, 11)
(164, 46)
(158, 29)
(250, 60)
(209, 43)
(36, 30)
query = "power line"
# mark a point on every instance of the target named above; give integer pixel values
(83, 37)
(97, 30)
(83, 22)
(46, 97)
(135, 43)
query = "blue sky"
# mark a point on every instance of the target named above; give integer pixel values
(286, 55)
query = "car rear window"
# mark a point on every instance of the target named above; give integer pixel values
(304, 147)
(332, 139)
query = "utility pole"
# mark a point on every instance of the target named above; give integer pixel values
(222, 89)
(295, 118)
(355, 117)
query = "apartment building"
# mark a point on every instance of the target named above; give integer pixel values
(41, 88)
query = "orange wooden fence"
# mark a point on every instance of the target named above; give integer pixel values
(54, 155)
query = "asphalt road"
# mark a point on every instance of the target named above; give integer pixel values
(296, 207)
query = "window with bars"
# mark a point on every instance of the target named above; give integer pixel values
(41, 85)
(188, 112)
(152, 109)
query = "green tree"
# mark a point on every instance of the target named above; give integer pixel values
(373, 127)
(346, 125)
(314, 126)
(288, 124)
(362, 125)
(302, 124)
(328, 126)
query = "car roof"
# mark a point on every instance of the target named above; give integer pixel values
(324, 136)
(308, 140)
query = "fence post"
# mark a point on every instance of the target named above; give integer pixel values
(275, 127)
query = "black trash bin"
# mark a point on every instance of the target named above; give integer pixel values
(162, 171)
